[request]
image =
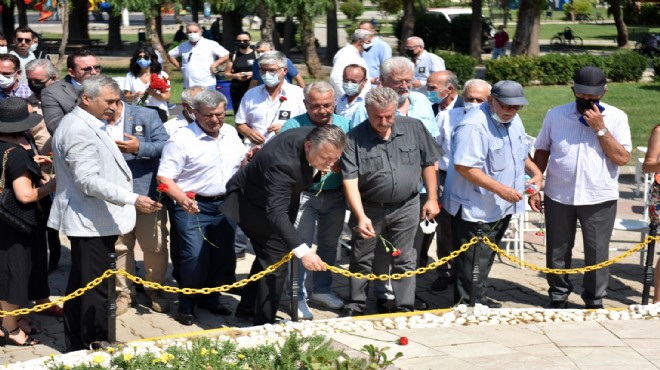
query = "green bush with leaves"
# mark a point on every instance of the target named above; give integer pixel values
(656, 69)
(352, 9)
(581, 7)
(462, 65)
(520, 68)
(627, 65)
(558, 69)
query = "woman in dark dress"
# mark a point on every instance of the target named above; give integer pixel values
(239, 68)
(22, 174)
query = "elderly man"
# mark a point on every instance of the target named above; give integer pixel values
(61, 97)
(264, 109)
(323, 205)
(582, 144)
(381, 165)
(475, 93)
(200, 58)
(379, 52)
(10, 84)
(350, 54)
(485, 182)
(353, 83)
(201, 158)
(425, 62)
(186, 116)
(292, 73)
(95, 204)
(22, 42)
(263, 198)
(140, 136)
(442, 91)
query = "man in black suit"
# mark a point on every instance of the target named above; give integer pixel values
(263, 199)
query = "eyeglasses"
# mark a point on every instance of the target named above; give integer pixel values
(401, 83)
(20, 40)
(264, 71)
(97, 68)
(317, 107)
(509, 107)
(145, 57)
(211, 115)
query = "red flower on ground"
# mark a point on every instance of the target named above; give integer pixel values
(163, 188)
(191, 194)
(396, 253)
(282, 99)
(403, 341)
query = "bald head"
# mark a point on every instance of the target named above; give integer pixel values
(445, 83)
(476, 91)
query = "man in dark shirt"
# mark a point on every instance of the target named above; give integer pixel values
(381, 166)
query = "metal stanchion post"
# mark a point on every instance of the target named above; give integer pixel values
(293, 278)
(648, 268)
(475, 263)
(112, 301)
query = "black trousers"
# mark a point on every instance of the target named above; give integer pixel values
(86, 317)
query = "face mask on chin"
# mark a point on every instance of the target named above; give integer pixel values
(33, 47)
(497, 118)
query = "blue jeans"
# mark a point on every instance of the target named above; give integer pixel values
(325, 214)
(498, 52)
(202, 264)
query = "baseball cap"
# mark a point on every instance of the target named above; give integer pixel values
(509, 93)
(590, 81)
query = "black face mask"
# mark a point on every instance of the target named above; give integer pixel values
(585, 104)
(242, 45)
(410, 53)
(36, 87)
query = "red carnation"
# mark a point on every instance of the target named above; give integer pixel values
(396, 253)
(282, 99)
(163, 188)
(403, 341)
(50, 154)
(158, 83)
(191, 194)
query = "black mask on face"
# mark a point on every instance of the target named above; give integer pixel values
(584, 104)
(242, 44)
(36, 87)
(410, 53)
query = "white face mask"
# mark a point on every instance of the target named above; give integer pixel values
(7, 82)
(194, 37)
(33, 47)
(3, 50)
(270, 79)
(497, 118)
(470, 106)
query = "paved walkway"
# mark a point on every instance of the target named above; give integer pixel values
(565, 345)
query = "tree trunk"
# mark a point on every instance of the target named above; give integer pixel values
(308, 45)
(8, 22)
(527, 13)
(572, 13)
(277, 45)
(505, 14)
(288, 41)
(331, 32)
(267, 22)
(159, 25)
(79, 20)
(475, 30)
(621, 29)
(114, 31)
(22, 15)
(407, 24)
(534, 47)
(194, 10)
(64, 16)
(231, 26)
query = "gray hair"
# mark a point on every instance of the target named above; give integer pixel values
(474, 83)
(188, 94)
(396, 65)
(193, 24)
(360, 35)
(264, 43)
(273, 57)
(417, 40)
(209, 98)
(328, 134)
(452, 79)
(319, 86)
(381, 97)
(44, 63)
(94, 85)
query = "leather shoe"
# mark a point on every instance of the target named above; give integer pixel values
(383, 306)
(420, 304)
(441, 283)
(492, 304)
(244, 313)
(185, 318)
(593, 306)
(557, 305)
(350, 312)
(215, 308)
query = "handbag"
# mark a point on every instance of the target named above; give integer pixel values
(20, 217)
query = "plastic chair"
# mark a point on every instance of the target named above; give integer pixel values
(515, 236)
(640, 176)
(641, 225)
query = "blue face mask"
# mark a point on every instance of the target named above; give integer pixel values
(350, 88)
(434, 98)
(143, 63)
(270, 79)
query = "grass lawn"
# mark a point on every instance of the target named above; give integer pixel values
(605, 32)
(638, 100)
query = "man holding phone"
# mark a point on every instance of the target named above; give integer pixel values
(582, 144)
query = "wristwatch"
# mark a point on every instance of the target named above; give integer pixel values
(602, 131)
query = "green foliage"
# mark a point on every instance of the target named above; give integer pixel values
(558, 69)
(461, 27)
(581, 7)
(627, 65)
(390, 6)
(352, 9)
(656, 69)
(520, 68)
(462, 65)
(643, 14)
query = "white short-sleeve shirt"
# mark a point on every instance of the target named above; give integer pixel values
(196, 61)
(579, 172)
(446, 120)
(426, 64)
(349, 54)
(197, 162)
(134, 84)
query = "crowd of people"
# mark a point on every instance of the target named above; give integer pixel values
(392, 139)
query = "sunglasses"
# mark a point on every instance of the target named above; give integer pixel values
(97, 68)
(144, 57)
(20, 39)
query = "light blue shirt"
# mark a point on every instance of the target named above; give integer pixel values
(500, 151)
(380, 50)
(420, 108)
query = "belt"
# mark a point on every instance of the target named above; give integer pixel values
(201, 198)
(388, 204)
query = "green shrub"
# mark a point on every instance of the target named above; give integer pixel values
(522, 69)
(656, 69)
(459, 37)
(649, 14)
(558, 69)
(627, 66)
(581, 7)
(352, 9)
(462, 65)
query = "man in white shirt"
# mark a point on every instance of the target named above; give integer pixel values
(442, 91)
(187, 116)
(379, 52)
(266, 107)
(582, 144)
(350, 54)
(22, 43)
(201, 158)
(425, 62)
(355, 79)
(200, 58)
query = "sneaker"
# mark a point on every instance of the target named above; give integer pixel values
(123, 303)
(329, 300)
(303, 311)
(156, 302)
